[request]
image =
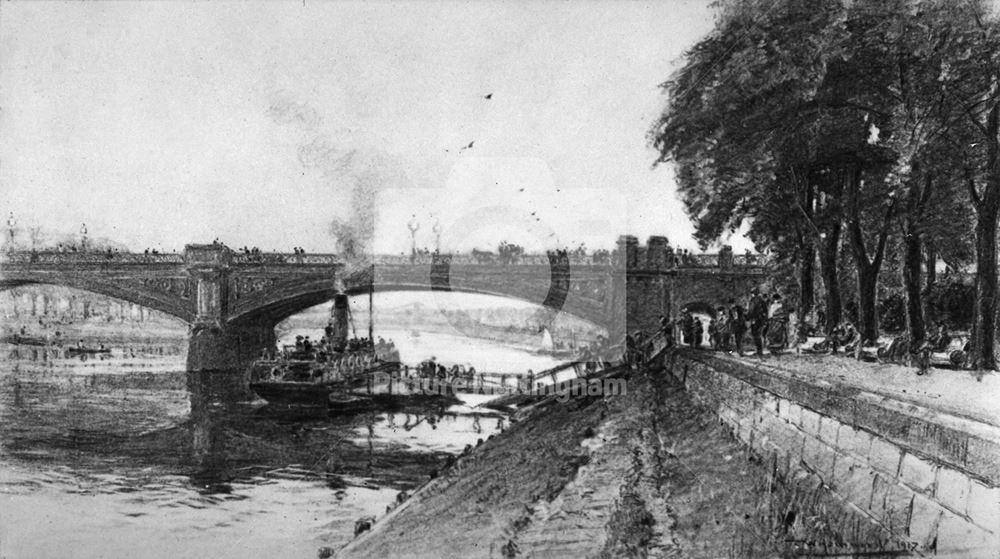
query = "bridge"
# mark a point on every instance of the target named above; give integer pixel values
(232, 300)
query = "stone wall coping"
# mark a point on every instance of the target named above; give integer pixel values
(964, 443)
(914, 407)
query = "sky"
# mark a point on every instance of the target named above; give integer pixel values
(264, 123)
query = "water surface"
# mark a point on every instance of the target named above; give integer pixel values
(128, 455)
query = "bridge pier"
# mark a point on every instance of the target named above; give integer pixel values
(221, 348)
(215, 344)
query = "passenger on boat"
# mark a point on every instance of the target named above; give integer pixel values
(528, 380)
(427, 368)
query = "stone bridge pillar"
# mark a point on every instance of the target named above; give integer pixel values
(215, 344)
(648, 283)
(618, 301)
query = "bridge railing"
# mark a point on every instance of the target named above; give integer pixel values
(673, 260)
(482, 258)
(77, 258)
(704, 260)
(285, 258)
(292, 259)
(748, 260)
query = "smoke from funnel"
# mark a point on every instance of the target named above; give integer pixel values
(347, 162)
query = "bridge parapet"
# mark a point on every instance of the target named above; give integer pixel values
(88, 258)
(97, 257)
(476, 259)
(749, 260)
(642, 258)
(652, 257)
(288, 259)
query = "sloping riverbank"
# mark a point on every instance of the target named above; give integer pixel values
(643, 474)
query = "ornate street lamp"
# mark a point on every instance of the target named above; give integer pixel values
(437, 234)
(11, 224)
(413, 226)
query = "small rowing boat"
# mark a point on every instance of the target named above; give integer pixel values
(79, 350)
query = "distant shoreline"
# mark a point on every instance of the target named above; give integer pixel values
(152, 331)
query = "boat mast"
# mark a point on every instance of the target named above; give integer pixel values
(371, 316)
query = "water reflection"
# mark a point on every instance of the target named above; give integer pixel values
(129, 450)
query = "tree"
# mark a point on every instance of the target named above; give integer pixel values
(857, 115)
(742, 125)
(974, 91)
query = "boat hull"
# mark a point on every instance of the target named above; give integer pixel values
(344, 399)
(23, 340)
(296, 393)
(86, 351)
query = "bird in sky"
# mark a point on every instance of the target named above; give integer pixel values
(489, 96)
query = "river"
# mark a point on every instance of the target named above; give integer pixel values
(130, 456)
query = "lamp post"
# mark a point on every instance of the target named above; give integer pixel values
(11, 223)
(437, 234)
(413, 226)
(83, 238)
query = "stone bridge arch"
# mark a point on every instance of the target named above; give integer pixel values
(290, 299)
(701, 307)
(171, 295)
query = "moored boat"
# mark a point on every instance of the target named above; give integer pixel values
(22, 339)
(78, 350)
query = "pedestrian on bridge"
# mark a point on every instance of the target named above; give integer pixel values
(757, 313)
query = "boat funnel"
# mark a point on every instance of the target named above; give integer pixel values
(339, 322)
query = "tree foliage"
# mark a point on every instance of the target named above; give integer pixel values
(865, 129)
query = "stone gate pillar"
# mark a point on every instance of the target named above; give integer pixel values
(626, 255)
(726, 258)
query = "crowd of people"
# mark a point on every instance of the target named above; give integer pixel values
(422, 254)
(431, 369)
(766, 318)
(509, 253)
(767, 322)
(308, 348)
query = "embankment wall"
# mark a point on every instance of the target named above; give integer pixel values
(930, 478)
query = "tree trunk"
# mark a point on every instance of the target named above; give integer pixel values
(807, 258)
(912, 259)
(867, 268)
(931, 266)
(984, 321)
(987, 207)
(831, 279)
(867, 303)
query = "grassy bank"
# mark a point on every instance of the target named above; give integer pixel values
(644, 474)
